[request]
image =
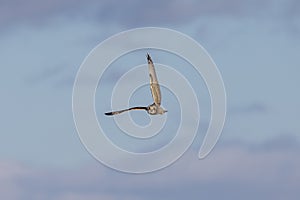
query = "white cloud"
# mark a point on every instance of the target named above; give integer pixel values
(229, 171)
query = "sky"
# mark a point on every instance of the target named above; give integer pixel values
(255, 45)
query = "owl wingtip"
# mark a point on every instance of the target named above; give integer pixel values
(149, 58)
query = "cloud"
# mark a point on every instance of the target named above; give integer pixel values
(255, 107)
(140, 13)
(32, 11)
(232, 171)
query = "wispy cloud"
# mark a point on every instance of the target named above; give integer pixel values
(231, 171)
(254, 107)
(141, 13)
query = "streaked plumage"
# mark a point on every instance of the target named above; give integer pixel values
(154, 86)
(154, 108)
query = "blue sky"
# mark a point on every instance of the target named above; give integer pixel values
(255, 45)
